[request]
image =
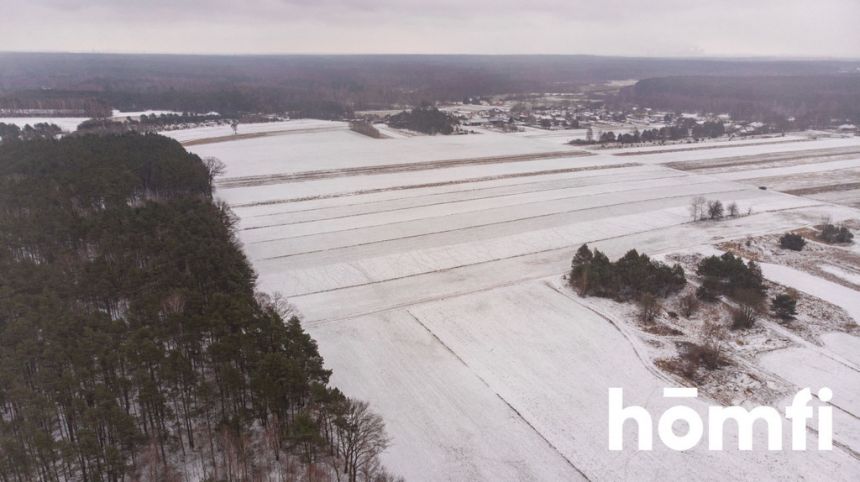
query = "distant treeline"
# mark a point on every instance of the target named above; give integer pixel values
(132, 343)
(146, 123)
(813, 100)
(57, 102)
(332, 86)
(684, 128)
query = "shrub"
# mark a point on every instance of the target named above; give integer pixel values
(750, 304)
(831, 233)
(688, 304)
(784, 306)
(794, 242)
(711, 344)
(729, 275)
(743, 317)
(707, 353)
(649, 307)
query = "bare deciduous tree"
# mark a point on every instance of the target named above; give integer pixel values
(715, 210)
(688, 304)
(697, 208)
(649, 307)
(214, 167)
(733, 209)
(712, 335)
(361, 438)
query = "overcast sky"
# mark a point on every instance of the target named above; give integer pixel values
(797, 28)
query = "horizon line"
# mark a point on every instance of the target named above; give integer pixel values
(796, 58)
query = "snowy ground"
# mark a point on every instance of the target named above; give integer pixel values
(428, 269)
(201, 134)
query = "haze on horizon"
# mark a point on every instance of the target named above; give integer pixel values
(740, 28)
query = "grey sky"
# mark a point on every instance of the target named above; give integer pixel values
(822, 28)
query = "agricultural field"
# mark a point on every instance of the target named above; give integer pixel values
(430, 271)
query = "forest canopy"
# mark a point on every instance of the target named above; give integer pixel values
(131, 338)
(812, 100)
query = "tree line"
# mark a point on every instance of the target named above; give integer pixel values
(39, 130)
(132, 342)
(789, 101)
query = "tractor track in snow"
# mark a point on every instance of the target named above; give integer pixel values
(437, 184)
(264, 180)
(465, 228)
(254, 135)
(441, 203)
(497, 394)
(811, 156)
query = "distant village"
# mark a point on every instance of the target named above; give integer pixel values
(601, 125)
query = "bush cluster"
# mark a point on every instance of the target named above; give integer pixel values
(728, 275)
(631, 277)
(794, 242)
(831, 233)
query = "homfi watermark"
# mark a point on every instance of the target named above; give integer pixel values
(798, 413)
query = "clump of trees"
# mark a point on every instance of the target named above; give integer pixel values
(792, 241)
(634, 276)
(684, 128)
(172, 119)
(131, 335)
(425, 118)
(729, 276)
(836, 234)
(702, 209)
(365, 128)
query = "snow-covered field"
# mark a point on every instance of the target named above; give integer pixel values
(428, 270)
(710, 144)
(222, 130)
(849, 276)
(841, 296)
